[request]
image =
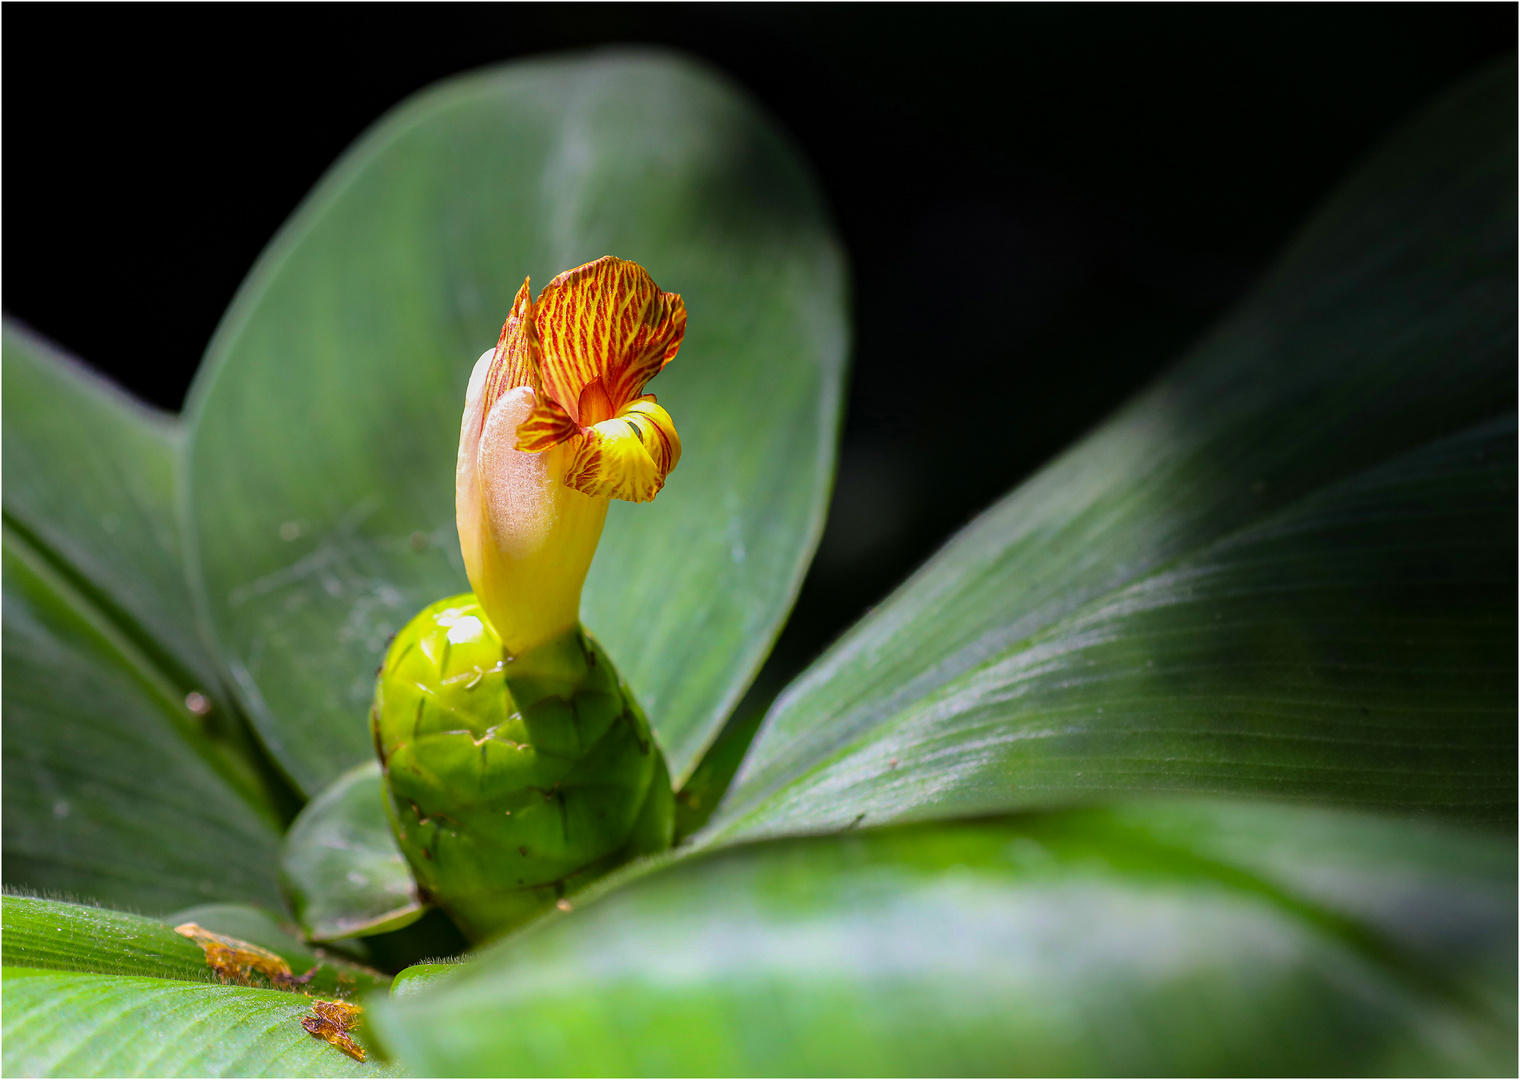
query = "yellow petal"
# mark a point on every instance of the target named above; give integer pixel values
(627, 457)
(606, 320)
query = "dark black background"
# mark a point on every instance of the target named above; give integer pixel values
(1042, 205)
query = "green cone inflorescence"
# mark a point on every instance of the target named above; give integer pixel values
(512, 781)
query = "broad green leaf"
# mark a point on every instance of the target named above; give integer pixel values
(111, 789)
(341, 867)
(42, 933)
(1159, 939)
(72, 1024)
(90, 485)
(324, 423)
(1288, 569)
(90, 480)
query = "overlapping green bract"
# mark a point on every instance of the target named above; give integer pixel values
(512, 781)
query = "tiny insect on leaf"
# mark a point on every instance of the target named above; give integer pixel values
(331, 1021)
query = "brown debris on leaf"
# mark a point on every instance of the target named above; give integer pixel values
(331, 1021)
(237, 961)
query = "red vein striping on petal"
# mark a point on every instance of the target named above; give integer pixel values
(516, 362)
(547, 425)
(607, 320)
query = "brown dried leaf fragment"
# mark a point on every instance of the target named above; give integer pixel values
(331, 1022)
(236, 961)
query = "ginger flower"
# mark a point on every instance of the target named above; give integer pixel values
(556, 424)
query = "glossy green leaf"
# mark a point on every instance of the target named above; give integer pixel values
(1161, 939)
(60, 1023)
(324, 424)
(341, 867)
(41, 933)
(112, 791)
(1288, 569)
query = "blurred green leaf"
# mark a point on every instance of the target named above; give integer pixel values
(73, 1024)
(341, 867)
(1159, 939)
(112, 791)
(1288, 569)
(324, 424)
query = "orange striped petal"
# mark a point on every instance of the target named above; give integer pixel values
(606, 320)
(547, 425)
(627, 457)
(516, 360)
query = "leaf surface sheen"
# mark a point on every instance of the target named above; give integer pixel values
(324, 423)
(1288, 569)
